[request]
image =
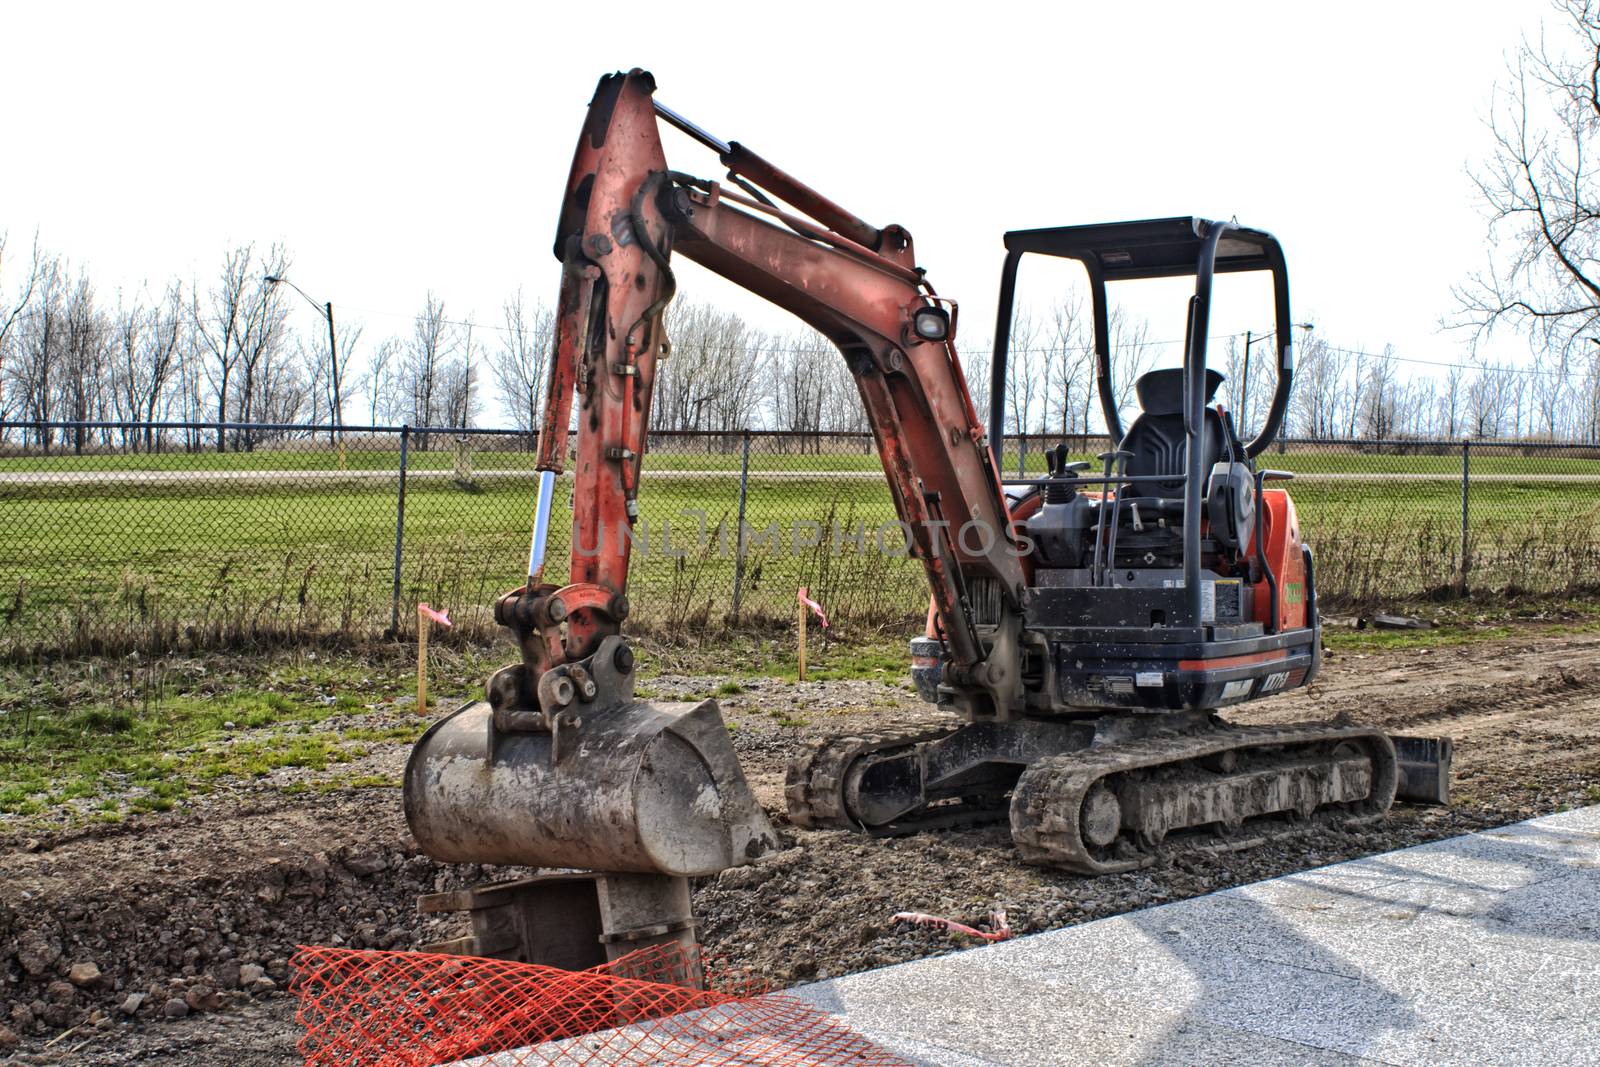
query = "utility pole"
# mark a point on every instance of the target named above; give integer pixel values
(466, 380)
(336, 431)
(333, 373)
(1244, 385)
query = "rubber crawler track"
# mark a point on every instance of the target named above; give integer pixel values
(1047, 803)
(813, 785)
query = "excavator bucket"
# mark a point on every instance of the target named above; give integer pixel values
(624, 785)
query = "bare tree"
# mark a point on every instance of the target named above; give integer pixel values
(975, 361)
(809, 387)
(1541, 193)
(798, 382)
(192, 385)
(842, 410)
(1451, 403)
(314, 365)
(279, 390)
(1586, 398)
(169, 343)
(38, 356)
(265, 377)
(1416, 402)
(1319, 389)
(1547, 395)
(1131, 355)
(1355, 392)
(240, 325)
(714, 377)
(127, 351)
(83, 357)
(1490, 399)
(1025, 374)
(1060, 359)
(147, 349)
(737, 354)
(1381, 398)
(12, 308)
(460, 403)
(219, 323)
(1065, 364)
(519, 364)
(1248, 388)
(381, 377)
(427, 362)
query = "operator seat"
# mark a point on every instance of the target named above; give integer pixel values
(1156, 439)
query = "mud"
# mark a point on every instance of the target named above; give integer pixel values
(172, 908)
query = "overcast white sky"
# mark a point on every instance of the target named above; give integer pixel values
(398, 148)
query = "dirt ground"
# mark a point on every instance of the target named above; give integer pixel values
(180, 912)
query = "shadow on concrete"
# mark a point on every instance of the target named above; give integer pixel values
(1316, 992)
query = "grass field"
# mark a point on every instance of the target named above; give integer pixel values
(82, 563)
(104, 738)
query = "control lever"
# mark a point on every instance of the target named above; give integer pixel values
(1061, 471)
(1104, 563)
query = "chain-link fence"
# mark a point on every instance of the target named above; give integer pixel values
(112, 535)
(1397, 521)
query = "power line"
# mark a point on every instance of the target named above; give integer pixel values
(1497, 368)
(795, 349)
(448, 322)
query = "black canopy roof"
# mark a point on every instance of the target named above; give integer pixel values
(1150, 248)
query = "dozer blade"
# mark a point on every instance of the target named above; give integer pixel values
(1424, 768)
(627, 786)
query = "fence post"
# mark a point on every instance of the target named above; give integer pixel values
(1466, 467)
(399, 530)
(738, 530)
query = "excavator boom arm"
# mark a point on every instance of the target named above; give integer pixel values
(624, 215)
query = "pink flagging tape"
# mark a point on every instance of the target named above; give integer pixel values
(997, 919)
(814, 606)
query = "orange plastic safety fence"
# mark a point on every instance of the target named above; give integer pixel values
(409, 1009)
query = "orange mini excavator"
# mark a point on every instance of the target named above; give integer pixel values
(1088, 629)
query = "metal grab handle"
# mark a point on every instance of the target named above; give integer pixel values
(1261, 556)
(1106, 562)
(1194, 418)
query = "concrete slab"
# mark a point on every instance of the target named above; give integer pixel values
(1479, 950)
(1482, 949)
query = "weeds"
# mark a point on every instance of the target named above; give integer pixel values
(98, 737)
